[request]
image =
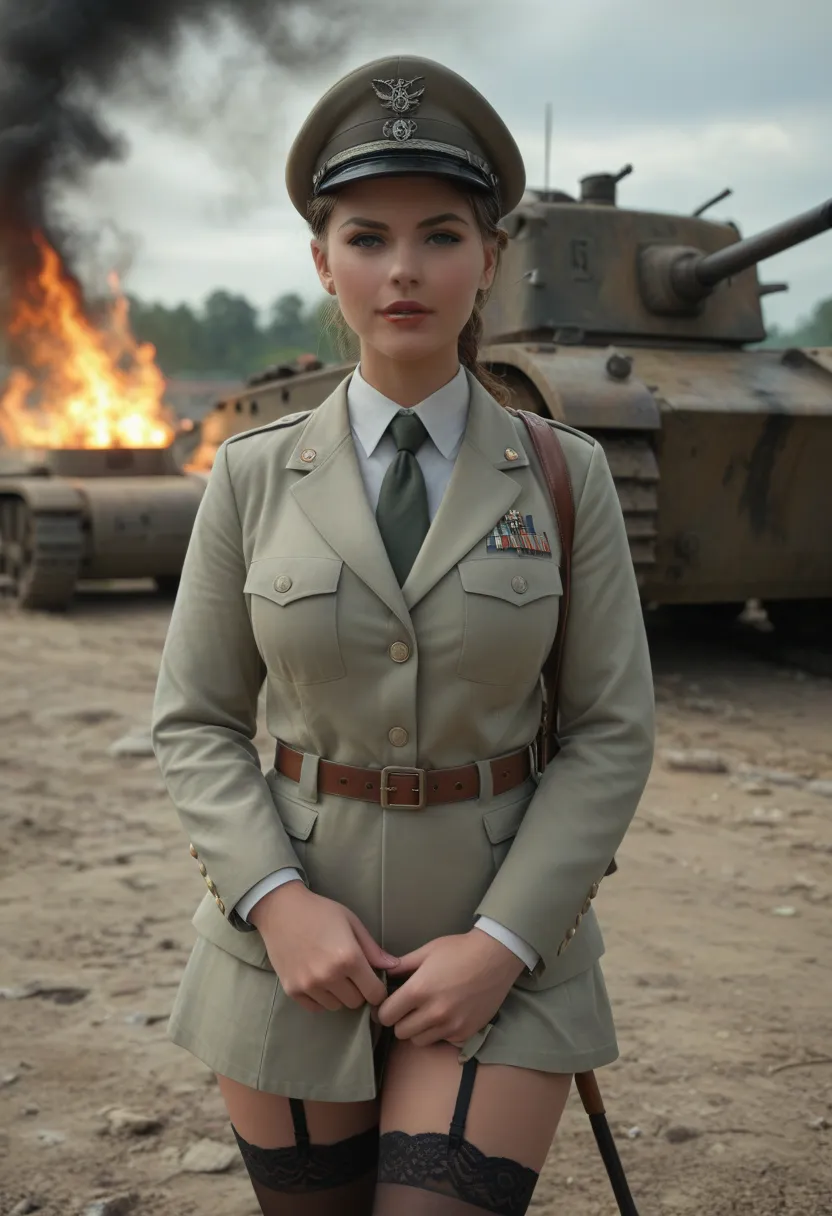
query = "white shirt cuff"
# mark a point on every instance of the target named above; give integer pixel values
(270, 883)
(515, 944)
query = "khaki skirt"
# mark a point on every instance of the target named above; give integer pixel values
(237, 1019)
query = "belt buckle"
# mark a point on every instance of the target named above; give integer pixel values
(403, 771)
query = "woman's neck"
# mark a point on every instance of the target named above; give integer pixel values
(408, 382)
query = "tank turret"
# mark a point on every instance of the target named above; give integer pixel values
(588, 270)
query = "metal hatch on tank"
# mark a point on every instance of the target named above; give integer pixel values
(640, 327)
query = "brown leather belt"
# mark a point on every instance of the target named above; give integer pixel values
(409, 788)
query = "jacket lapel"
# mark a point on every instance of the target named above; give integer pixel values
(333, 498)
(478, 495)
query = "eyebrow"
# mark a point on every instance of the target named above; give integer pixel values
(444, 218)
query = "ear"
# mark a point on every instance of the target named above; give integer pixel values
(490, 267)
(319, 257)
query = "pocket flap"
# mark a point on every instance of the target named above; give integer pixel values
(297, 818)
(520, 581)
(502, 823)
(284, 579)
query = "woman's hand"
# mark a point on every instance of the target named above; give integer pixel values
(457, 985)
(322, 953)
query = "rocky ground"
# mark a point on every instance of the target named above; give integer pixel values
(718, 932)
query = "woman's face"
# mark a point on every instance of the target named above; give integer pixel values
(406, 258)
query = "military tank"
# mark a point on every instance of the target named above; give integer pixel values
(68, 515)
(640, 328)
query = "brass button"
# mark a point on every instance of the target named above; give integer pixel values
(400, 652)
(192, 851)
(511, 454)
(308, 455)
(519, 584)
(283, 583)
(210, 885)
(593, 890)
(398, 736)
(570, 933)
(202, 869)
(221, 905)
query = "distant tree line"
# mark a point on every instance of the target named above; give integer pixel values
(814, 330)
(227, 335)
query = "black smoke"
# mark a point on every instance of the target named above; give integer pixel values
(63, 62)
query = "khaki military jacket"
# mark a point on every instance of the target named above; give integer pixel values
(287, 581)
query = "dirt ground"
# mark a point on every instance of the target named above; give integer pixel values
(717, 926)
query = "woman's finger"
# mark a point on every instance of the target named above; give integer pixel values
(307, 1003)
(418, 1023)
(348, 994)
(398, 1005)
(326, 999)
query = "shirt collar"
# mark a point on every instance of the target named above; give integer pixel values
(444, 413)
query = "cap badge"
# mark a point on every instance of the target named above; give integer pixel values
(399, 129)
(400, 97)
(395, 95)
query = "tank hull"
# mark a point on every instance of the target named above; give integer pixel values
(743, 447)
(129, 517)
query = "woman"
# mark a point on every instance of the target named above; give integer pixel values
(403, 874)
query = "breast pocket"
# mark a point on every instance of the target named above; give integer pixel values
(511, 616)
(294, 614)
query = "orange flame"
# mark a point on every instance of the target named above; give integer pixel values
(91, 388)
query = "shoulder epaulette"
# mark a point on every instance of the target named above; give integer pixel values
(277, 425)
(561, 426)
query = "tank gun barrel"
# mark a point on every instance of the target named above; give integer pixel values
(674, 280)
(695, 275)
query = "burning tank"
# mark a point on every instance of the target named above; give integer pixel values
(640, 328)
(89, 484)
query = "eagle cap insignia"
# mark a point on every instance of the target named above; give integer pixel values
(396, 95)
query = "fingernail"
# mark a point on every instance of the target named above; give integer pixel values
(390, 961)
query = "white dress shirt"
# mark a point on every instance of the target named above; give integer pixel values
(444, 414)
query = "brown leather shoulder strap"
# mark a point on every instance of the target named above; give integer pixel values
(556, 472)
(559, 484)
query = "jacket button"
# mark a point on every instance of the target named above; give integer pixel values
(593, 890)
(210, 885)
(283, 583)
(519, 584)
(570, 933)
(192, 851)
(400, 652)
(398, 736)
(221, 905)
(202, 869)
(587, 905)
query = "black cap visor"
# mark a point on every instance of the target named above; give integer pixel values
(397, 164)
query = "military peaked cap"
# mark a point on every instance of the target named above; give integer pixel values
(404, 115)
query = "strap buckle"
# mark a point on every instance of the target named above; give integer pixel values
(395, 770)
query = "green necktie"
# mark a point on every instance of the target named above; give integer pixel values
(402, 512)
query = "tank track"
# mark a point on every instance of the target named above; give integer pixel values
(635, 471)
(41, 549)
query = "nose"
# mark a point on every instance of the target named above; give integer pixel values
(404, 270)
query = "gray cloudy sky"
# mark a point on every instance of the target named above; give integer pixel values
(697, 96)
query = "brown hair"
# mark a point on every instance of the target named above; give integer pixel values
(486, 209)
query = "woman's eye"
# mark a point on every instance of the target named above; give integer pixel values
(365, 240)
(444, 238)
